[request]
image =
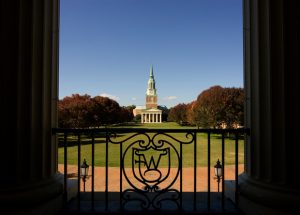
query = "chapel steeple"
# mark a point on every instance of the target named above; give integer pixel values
(151, 96)
(151, 72)
(151, 90)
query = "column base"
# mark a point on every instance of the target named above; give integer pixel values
(39, 198)
(261, 198)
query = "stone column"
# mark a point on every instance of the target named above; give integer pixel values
(271, 37)
(142, 118)
(29, 183)
(160, 116)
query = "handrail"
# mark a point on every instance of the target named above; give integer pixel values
(149, 130)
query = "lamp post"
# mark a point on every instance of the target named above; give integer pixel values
(84, 170)
(218, 173)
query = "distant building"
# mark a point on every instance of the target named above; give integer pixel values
(149, 113)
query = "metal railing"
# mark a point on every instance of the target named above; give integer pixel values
(150, 167)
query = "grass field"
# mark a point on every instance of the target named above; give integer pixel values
(187, 150)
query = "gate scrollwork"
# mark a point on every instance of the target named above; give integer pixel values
(151, 164)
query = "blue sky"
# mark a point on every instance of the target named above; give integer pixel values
(108, 46)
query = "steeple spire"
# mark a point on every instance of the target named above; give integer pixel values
(151, 96)
(151, 72)
(151, 90)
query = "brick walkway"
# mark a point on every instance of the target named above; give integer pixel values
(187, 178)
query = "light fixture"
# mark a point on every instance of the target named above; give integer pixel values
(218, 172)
(84, 171)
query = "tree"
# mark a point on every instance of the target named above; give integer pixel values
(209, 108)
(190, 113)
(80, 111)
(74, 111)
(233, 99)
(105, 111)
(165, 112)
(126, 114)
(217, 107)
(178, 113)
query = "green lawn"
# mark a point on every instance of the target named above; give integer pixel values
(187, 154)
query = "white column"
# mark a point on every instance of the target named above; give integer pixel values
(160, 116)
(142, 118)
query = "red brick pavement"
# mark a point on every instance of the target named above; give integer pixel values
(187, 178)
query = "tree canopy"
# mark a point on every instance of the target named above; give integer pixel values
(215, 107)
(80, 111)
(178, 113)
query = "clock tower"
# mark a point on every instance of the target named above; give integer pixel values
(150, 113)
(151, 96)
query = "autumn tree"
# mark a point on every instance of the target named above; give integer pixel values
(79, 111)
(208, 108)
(190, 112)
(75, 111)
(178, 113)
(218, 106)
(233, 99)
(126, 114)
(105, 111)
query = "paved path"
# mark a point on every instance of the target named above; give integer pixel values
(187, 178)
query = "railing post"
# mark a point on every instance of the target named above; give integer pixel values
(106, 171)
(65, 169)
(208, 170)
(93, 172)
(180, 166)
(236, 168)
(78, 170)
(121, 182)
(223, 170)
(195, 170)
